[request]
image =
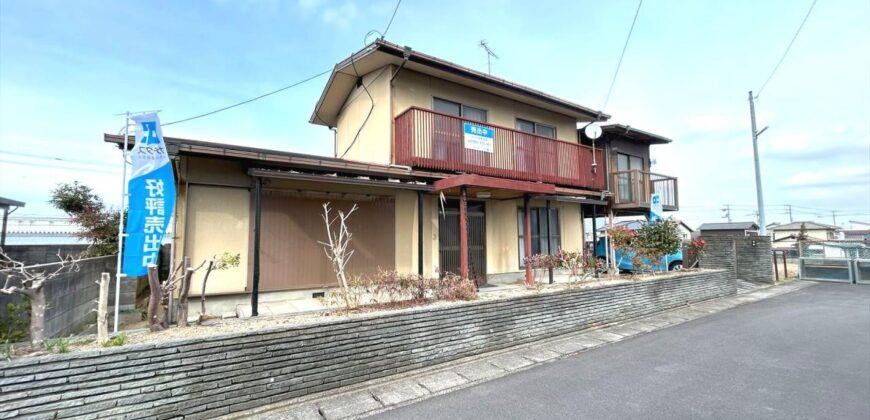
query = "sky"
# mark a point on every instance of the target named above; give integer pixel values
(66, 72)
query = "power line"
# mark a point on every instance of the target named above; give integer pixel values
(55, 158)
(787, 48)
(622, 55)
(387, 29)
(250, 100)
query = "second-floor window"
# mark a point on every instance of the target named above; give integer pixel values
(459, 110)
(532, 127)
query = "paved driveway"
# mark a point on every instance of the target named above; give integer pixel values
(805, 354)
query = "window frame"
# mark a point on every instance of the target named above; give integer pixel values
(535, 125)
(539, 225)
(462, 107)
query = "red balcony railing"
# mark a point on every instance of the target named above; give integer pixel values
(432, 140)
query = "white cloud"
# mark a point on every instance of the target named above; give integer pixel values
(340, 16)
(308, 6)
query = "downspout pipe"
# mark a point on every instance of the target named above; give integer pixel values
(255, 286)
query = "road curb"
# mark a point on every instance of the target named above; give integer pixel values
(385, 394)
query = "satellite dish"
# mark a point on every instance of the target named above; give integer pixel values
(592, 131)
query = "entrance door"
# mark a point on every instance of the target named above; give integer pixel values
(448, 240)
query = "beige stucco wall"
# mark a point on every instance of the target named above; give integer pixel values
(411, 88)
(502, 236)
(219, 221)
(406, 232)
(374, 142)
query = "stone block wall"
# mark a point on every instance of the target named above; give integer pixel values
(210, 376)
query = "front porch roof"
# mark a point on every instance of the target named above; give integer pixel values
(489, 187)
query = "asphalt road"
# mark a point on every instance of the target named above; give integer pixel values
(805, 354)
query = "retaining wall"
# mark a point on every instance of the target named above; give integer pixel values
(211, 376)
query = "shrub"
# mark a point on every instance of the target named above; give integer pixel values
(656, 239)
(116, 341)
(621, 236)
(14, 327)
(453, 287)
(60, 345)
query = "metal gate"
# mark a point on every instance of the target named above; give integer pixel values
(448, 240)
(839, 262)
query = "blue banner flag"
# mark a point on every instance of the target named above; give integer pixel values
(655, 207)
(152, 197)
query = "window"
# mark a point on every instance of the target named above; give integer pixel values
(447, 107)
(458, 110)
(532, 127)
(624, 180)
(539, 232)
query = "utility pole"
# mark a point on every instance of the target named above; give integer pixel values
(727, 210)
(790, 220)
(834, 216)
(489, 55)
(755, 133)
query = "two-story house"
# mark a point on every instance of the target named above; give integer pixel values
(453, 170)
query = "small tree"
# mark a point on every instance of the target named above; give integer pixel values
(224, 261)
(99, 223)
(621, 237)
(30, 283)
(656, 239)
(337, 247)
(179, 277)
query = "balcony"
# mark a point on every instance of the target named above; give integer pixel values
(632, 189)
(436, 141)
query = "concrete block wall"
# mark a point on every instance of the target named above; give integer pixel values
(42, 254)
(71, 297)
(211, 376)
(750, 257)
(755, 259)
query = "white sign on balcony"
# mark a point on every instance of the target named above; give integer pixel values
(478, 137)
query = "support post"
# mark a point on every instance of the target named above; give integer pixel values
(527, 237)
(119, 269)
(775, 267)
(3, 232)
(420, 232)
(549, 242)
(595, 235)
(759, 194)
(784, 266)
(255, 286)
(463, 233)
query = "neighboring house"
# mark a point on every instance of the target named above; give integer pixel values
(35, 230)
(858, 231)
(729, 229)
(786, 235)
(685, 230)
(453, 170)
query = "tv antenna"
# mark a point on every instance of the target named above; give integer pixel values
(489, 55)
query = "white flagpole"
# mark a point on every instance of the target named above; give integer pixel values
(118, 272)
